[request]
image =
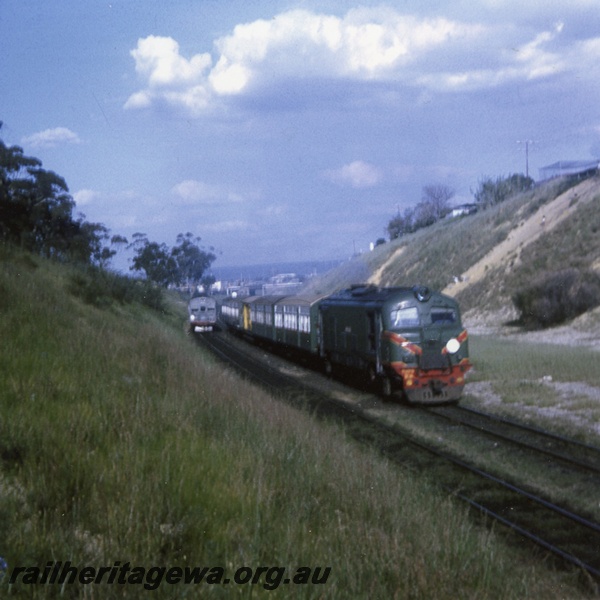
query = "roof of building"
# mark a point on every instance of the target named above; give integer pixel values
(568, 167)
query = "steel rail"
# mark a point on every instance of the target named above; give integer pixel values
(549, 434)
(584, 465)
(568, 557)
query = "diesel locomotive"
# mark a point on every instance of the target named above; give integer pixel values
(400, 339)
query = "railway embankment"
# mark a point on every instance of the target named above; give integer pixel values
(121, 442)
(487, 258)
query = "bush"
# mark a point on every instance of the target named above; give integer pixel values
(102, 288)
(490, 192)
(558, 297)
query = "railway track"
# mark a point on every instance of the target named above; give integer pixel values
(573, 539)
(567, 451)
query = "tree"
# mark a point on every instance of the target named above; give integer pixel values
(434, 205)
(192, 260)
(436, 198)
(50, 209)
(14, 213)
(87, 244)
(154, 260)
(401, 224)
(183, 264)
(36, 212)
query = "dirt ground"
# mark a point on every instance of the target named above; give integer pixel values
(376, 277)
(528, 231)
(575, 402)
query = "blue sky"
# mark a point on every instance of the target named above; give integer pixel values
(292, 130)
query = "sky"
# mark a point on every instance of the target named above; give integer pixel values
(281, 131)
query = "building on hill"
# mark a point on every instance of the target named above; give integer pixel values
(569, 167)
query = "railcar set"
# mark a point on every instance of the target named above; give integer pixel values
(202, 313)
(401, 339)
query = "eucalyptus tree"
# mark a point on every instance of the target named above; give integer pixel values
(184, 264)
(36, 212)
(192, 260)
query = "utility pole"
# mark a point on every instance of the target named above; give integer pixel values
(526, 142)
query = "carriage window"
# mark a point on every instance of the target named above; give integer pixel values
(405, 317)
(259, 315)
(304, 320)
(290, 317)
(442, 315)
(278, 317)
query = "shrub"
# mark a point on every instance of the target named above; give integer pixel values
(491, 192)
(102, 288)
(557, 297)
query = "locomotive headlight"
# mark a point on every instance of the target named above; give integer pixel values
(453, 346)
(192, 317)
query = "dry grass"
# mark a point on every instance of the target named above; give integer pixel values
(505, 244)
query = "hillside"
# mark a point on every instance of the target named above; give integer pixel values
(484, 259)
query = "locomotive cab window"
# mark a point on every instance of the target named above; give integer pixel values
(405, 317)
(443, 316)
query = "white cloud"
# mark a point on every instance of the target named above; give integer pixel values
(51, 137)
(191, 191)
(84, 197)
(357, 174)
(168, 75)
(366, 44)
(521, 62)
(226, 226)
(273, 210)
(585, 57)
(158, 59)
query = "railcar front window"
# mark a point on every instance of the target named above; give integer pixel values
(405, 317)
(443, 316)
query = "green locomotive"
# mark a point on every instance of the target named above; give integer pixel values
(405, 338)
(402, 339)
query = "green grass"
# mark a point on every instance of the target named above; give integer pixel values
(120, 440)
(508, 361)
(526, 379)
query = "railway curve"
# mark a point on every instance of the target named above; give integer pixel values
(572, 538)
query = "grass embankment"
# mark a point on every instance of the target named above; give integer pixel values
(121, 441)
(436, 254)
